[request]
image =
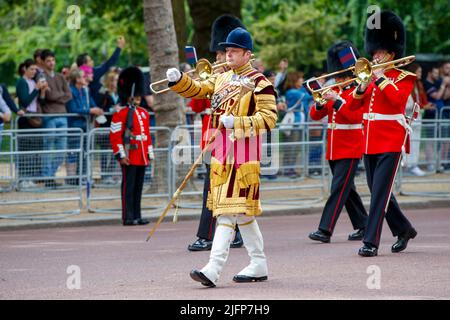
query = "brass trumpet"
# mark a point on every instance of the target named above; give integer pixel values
(362, 70)
(203, 68)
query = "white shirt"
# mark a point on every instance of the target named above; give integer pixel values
(32, 107)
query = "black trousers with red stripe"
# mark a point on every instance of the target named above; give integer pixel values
(207, 223)
(343, 192)
(131, 191)
(380, 171)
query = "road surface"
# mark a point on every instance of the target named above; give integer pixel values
(115, 262)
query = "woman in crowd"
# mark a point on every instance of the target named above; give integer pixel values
(30, 96)
(109, 102)
(83, 104)
(297, 101)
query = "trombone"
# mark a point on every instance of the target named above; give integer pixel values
(204, 69)
(362, 70)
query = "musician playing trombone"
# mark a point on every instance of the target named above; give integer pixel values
(383, 100)
(243, 102)
(344, 146)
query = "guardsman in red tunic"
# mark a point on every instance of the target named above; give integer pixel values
(383, 102)
(207, 225)
(131, 143)
(344, 148)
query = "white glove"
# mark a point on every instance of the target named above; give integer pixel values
(151, 154)
(173, 75)
(228, 121)
(363, 86)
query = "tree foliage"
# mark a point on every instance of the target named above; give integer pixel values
(298, 29)
(302, 35)
(301, 30)
(203, 13)
(31, 24)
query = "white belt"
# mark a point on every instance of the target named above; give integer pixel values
(339, 126)
(400, 118)
(142, 137)
(379, 116)
(208, 111)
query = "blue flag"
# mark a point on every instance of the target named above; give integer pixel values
(191, 55)
(347, 57)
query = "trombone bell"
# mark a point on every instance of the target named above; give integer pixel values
(363, 70)
(204, 69)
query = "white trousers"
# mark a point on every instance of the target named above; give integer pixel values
(224, 234)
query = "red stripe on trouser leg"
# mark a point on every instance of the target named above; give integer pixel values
(377, 238)
(340, 196)
(124, 189)
(211, 226)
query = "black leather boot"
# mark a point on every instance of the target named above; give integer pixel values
(319, 235)
(403, 239)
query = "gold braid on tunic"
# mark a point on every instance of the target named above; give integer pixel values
(234, 188)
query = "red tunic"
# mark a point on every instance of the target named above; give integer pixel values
(141, 149)
(383, 105)
(345, 135)
(198, 106)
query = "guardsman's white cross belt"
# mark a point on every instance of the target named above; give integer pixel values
(340, 126)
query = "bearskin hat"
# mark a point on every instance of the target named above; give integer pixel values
(128, 77)
(221, 27)
(333, 61)
(391, 35)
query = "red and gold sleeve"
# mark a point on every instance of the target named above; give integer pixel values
(264, 117)
(190, 88)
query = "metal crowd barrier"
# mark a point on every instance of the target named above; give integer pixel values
(32, 174)
(286, 164)
(104, 174)
(293, 165)
(436, 181)
(88, 118)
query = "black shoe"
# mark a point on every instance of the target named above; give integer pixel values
(143, 221)
(130, 223)
(242, 278)
(200, 277)
(200, 245)
(402, 241)
(237, 242)
(358, 235)
(368, 251)
(319, 236)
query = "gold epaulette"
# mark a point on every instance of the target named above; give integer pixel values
(262, 84)
(403, 74)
